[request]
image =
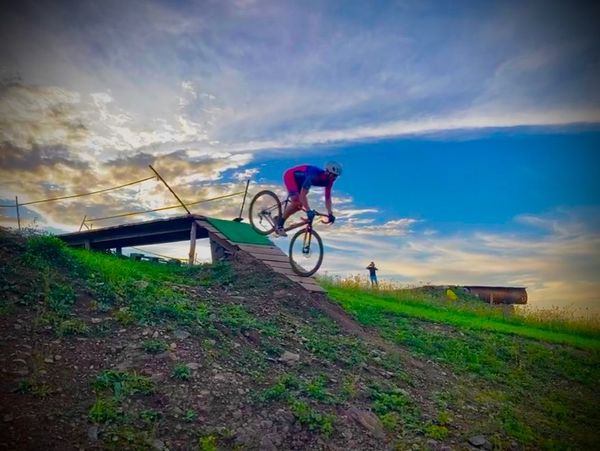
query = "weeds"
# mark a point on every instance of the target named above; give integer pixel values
(181, 372)
(309, 417)
(154, 346)
(105, 410)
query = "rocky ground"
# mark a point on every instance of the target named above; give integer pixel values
(260, 364)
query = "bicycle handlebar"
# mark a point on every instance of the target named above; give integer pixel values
(322, 214)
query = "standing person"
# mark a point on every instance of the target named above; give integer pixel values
(298, 181)
(373, 273)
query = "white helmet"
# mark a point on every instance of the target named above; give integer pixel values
(334, 167)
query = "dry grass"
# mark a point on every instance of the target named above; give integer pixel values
(563, 318)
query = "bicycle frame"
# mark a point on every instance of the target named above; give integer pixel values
(301, 223)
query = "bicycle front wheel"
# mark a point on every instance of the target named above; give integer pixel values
(264, 210)
(306, 252)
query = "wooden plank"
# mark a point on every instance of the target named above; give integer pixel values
(313, 287)
(207, 226)
(256, 247)
(276, 264)
(266, 251)
(270, 257)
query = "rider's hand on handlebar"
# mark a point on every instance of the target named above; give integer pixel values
(310, 214)
(330, 218)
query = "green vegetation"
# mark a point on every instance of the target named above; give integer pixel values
(311, 418)
(154, 346)
(181, 372)
(367, 306)
(536, 381)
(447, 370)
(122, 384)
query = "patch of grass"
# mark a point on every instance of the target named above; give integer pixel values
(237, 318)
(61, 298)
(281, 389)
(150, 416)
(394, 400)
(476, 316)
(123, 384)
(208, 443)
(315, 388)
(72, 326)
(105, 410)
(47, 250)
(181, 372)
(39, 390)
(154, 346)
(311, 418)
(349, 388)
(124, 316)
(436, 432)
(513, 426)
(190, 416)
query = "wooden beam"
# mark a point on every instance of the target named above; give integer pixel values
(192, 244)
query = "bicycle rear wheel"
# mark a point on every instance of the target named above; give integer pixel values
(264, 209)
(306, 252)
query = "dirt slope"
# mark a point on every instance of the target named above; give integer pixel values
(258, 365)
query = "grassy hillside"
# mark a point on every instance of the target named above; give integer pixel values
(537, 379)
(101, 352)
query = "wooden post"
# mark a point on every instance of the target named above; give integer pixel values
(18, 215)
(88, 245)
(119, 251)
(240, 217)
(192, 244)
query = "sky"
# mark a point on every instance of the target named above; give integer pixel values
(468, 131)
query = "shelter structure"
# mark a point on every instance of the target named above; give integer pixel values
(226, 239)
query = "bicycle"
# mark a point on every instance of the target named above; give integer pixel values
(305, 260)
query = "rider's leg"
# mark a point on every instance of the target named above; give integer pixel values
(293, 206)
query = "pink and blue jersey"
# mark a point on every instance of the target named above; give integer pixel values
(305, 176)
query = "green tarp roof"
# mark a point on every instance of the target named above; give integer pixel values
(238, 232)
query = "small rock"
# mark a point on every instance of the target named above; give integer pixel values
(57, 357)
(368, 420)
(96, 320)
(49, 360)
(21, 361)
(92, 433)
(289, 358)
(18, 326)
(155, 335)
(181, 334)
(159, 445)
(173, 346)
(478, 441)
(237, 414)
(192, 365)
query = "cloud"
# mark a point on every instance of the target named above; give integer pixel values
(559, 267)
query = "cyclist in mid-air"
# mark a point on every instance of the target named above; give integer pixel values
(298, 181)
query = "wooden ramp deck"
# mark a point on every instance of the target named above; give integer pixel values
(270, 255)
(191, 227)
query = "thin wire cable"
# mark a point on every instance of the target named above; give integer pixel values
(79, 195)
(162, 208)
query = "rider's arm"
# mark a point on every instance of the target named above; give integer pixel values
(328, 199)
